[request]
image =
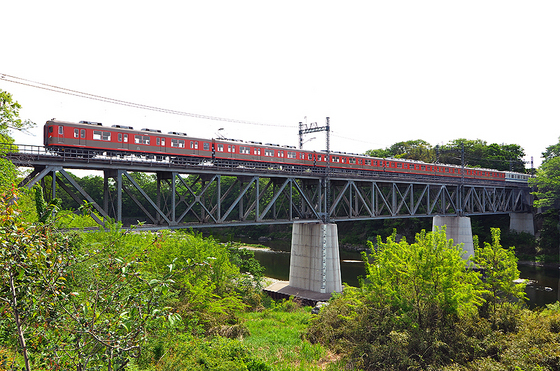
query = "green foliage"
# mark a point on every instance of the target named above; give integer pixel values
(478, 153)
(110, 303)
(501, 276)
(549, 236)
(33, 272)
(277, 336)
(415, 279)
(185, 352)
(412, 303)
(45, 211)
(205, 292)
(419, 309)
(8, 175)
(9, 116)
(413, 149)
(547, 181)
(551, 152)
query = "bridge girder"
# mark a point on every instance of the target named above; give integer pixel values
(198, 196)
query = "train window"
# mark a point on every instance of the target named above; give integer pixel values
(126, 138)
(136, 138)
(291, 154)
(360, 162)
(96, 135)
(194, 145)
(310, 156)
(162, 141)
(119, 137)
(60, 129)
(220, 147)
(318, 157)
(257, 151)
(269, 152)
(106, 135)
(245, 150)
(76, 133)
(50, 129)
(280, 153)
(368, 162)
(83, 133)
(352, 161)
(206, 146)
(158, 141)
(177, 143)
(302, 156)
(399, 165)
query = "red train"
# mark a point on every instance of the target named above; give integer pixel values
(90, 138)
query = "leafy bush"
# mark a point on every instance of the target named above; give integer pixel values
(418, 308)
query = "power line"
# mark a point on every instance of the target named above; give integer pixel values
(57, 89)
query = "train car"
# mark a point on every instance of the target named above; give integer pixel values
(88, 138)
(516, 177)
(91, 138)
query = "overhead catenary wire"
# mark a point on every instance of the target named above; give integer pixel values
(57, 89)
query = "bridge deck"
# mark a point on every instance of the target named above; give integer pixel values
(199, 194)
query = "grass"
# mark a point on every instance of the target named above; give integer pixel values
(277, 336)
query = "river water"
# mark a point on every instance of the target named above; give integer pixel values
(542, 290)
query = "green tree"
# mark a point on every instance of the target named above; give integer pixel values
(419, 278)
(33, 268)
(547, 178)
(9, 117)
(418, 149)
(547, 184)
(380, 153)
(501, 274)
(9, 120)
(110, 302)
(551, 152)
(478, 153)
(547, 181)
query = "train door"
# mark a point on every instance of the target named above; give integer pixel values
(60, 134)
(160, 144)
(123, 141)
(82, 139)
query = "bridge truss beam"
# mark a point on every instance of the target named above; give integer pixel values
(202, 199)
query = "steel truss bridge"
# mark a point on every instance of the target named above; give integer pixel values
(204, 195)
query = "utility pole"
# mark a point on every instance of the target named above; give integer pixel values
(313, 128)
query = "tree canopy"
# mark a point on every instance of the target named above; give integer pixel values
(478, 153)
(551, 152)
(9, 117)
(9, 120)
(411, 149)
(547, 179)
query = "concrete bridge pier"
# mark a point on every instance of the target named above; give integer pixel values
(315, 258)
(522, 222)
(459, 229)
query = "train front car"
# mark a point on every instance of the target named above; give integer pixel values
(65, 136)
(512, 177)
